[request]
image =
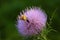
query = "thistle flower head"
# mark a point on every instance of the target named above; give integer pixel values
(31, 22)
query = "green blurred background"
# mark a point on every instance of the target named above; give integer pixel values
(9, 10)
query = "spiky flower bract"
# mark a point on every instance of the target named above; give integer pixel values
(31, 22)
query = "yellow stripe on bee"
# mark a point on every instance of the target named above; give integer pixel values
(23, 17)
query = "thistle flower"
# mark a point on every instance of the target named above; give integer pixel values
(31, 22)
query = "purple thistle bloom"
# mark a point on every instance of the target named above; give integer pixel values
(31, 22)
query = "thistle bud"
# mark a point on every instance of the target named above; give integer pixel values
(31, 22)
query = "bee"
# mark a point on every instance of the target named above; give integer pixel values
(22, 17)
